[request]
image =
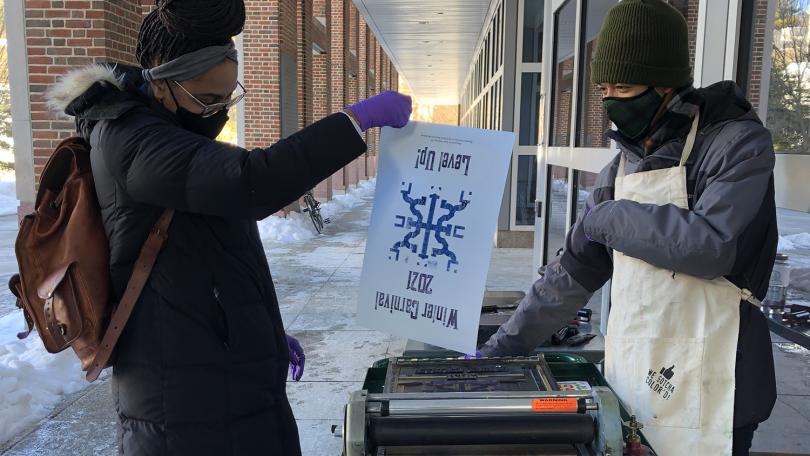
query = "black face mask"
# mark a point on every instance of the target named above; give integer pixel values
(210, 127)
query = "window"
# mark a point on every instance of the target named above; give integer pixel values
(557, 210)
(533, 31)
(745, 48)
(789, 97)
(585, 183)
(526, 190)
(592, 120)
(530, 109)
(563, 78)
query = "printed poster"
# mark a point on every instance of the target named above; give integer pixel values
(439, 190)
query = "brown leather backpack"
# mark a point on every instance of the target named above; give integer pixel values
(63, 254)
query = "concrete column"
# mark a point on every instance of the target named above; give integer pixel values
(20, 106)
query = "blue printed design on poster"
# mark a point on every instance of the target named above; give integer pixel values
(429, 229)
(439, 189)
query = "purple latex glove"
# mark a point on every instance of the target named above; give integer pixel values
(297, 358)
(475, 356)
(388, 109)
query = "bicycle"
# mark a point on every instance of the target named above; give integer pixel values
(313, 208)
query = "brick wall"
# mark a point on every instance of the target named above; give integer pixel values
(321, 81)
(362, 87)
(305, 27)
(147, 6)
(759, 30)
(261, 55)
(562, 103)
(689, 9)
(337, 60)
(595, 121)
(65, 34)
(351, 15)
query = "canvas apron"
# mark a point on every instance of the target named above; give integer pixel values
(671, 346)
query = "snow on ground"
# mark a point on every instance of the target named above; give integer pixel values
(8, 194)
(32, 381)
(298, 227)
(793, 242)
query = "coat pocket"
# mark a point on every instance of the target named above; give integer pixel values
(223, 330)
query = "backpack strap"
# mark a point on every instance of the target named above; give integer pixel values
(15, 285)
(140, 274)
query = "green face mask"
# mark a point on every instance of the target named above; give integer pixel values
(633, 116)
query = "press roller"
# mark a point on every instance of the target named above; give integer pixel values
(498, 406)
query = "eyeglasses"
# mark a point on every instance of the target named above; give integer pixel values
(211, 109)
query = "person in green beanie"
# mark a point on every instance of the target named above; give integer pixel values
(683, 221)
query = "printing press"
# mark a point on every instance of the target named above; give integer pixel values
(539, 405)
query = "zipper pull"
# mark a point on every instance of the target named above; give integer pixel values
(226, 336)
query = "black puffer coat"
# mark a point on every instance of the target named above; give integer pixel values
(201, 367)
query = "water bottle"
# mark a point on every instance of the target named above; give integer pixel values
(778, 285)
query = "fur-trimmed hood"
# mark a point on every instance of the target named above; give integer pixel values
(97, 92)
(75, 83)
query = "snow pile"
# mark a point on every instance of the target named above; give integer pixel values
(344, 203)
(293, 228)
(32, 381)
(793, 242)
(298, 227)
(559, 185)
(8, 196)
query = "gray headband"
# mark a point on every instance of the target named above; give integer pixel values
(193, 64)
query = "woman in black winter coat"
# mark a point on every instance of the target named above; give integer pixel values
(201, 366)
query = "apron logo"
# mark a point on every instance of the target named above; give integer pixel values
(659, 382)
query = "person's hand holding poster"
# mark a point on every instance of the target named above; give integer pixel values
(439, 189)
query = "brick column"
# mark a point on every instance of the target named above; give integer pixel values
(386, 74)
(61, 35)
(321, 79)
(378, 88)
(261, 55)
(270, 50)
(305, 25)
(362, 88)
(337, 59)
(352, 72)
(147, 6)
(760, 28)
(371, 88)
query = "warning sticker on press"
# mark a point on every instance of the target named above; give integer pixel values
(555, 404)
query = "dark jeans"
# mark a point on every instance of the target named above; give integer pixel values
(742, 440)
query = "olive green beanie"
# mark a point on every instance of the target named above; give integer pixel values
(643, 42)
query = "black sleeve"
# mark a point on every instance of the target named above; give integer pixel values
(161, 164)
